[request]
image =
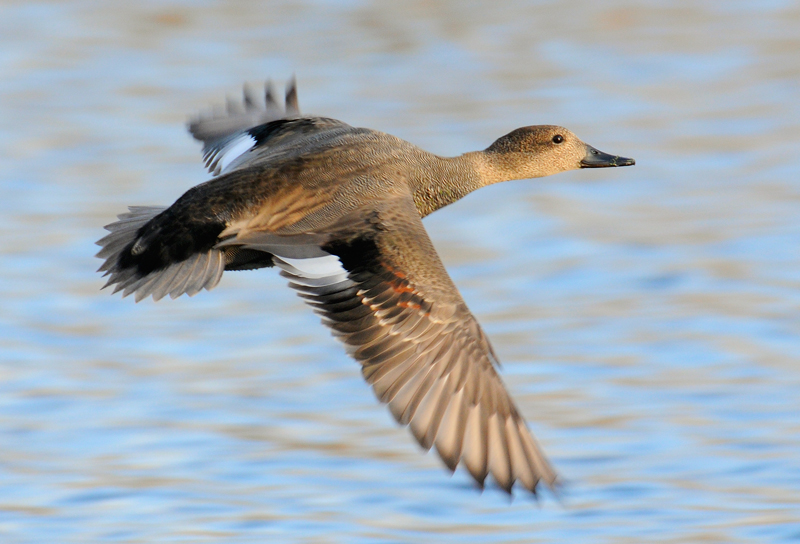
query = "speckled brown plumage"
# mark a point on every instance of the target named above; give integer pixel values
(294, 190)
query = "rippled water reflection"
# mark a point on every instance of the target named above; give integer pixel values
(647, 318)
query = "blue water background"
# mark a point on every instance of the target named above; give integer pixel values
(647, 317)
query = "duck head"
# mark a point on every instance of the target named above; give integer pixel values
(542, 150)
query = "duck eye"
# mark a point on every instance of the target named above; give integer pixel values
(558, 138)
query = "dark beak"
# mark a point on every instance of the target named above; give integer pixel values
(597, 159)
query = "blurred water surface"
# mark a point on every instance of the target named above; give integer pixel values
(647, 317)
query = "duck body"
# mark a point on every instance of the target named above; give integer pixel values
(338, 209)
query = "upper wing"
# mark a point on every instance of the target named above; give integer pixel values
(421, 349)
(254, 127)
(238, 117)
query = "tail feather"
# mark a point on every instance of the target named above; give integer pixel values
(123, 232)
(201, 270)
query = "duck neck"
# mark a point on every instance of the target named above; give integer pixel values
(444, 180)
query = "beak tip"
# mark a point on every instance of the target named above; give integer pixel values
(598, 159)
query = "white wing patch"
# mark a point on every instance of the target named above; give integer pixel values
(238, 147)
(328, 267)
(224, 156)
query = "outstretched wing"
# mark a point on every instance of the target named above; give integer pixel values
(425, 355)
(256, 128)
(251, 112)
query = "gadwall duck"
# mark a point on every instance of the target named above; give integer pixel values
(339, 210)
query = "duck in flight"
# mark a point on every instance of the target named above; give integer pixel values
(339, 211)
